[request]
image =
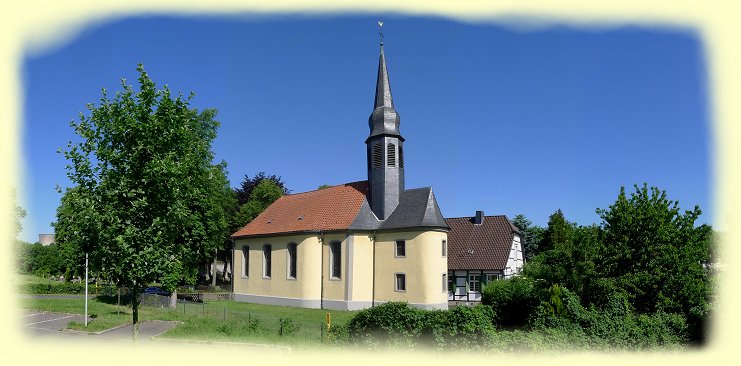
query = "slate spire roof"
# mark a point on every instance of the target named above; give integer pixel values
(384, 120)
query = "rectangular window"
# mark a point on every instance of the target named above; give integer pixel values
(445, 282)
(335, 261)
(401, 250)
(490, 277)
(473, 283)
(445, 248)
(266, 259)
(246, 261)
(401, 282)
(292, 261)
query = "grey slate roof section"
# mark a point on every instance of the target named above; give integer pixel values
(417, 208)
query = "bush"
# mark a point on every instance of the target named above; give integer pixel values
(396, 324)
(615, 326)
(62, 288)
(288, 327)
(514, 299)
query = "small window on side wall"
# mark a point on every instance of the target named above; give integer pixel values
(401, 282)
(445, 248)
(401, 248)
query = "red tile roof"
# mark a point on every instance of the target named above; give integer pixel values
(328, 209)
(484, 246)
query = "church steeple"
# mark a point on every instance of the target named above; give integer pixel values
(384, 147)
(384, 120)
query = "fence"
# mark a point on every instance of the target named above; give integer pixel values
(232, 322)
(205, 296)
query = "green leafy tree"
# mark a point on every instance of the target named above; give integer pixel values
(531, 234)
(142, 170)
(266, 192)
(244, 192)
(20, 214)
(76, 229)
(656, 254)
(558, 233)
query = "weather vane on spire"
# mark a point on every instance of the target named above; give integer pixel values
(380, 31)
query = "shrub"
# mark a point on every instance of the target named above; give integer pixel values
(288, 327)
(62, 288)
(396, 324)
(514, 299)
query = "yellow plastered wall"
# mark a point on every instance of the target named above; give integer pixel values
(362, 281)
(423, 266)
(306, 285)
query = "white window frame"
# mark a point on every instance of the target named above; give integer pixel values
(267, 261)
(332, 275)
(445, 283)
(396, 248)
(245, 261)
(403, 276)
(445, 248)
(290, 260)
(471, 282)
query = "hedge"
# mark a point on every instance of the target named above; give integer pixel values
(397, 325)
(63, 288)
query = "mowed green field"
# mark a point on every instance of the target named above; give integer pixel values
(227, 321)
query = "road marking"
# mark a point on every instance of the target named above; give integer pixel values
(23, 316)
(50, 320)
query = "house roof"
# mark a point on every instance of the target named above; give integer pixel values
(484, 246)
(343, 207)
(328, 209)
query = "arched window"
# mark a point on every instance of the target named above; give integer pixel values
(292, 261)
(245, 261)
(391, 155)
(267, 251)
(377, 155)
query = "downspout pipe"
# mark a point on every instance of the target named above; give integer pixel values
(373, 281)
(321, 270)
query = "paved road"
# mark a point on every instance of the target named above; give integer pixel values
(48, 324)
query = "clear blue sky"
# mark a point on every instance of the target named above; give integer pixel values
(495, 118)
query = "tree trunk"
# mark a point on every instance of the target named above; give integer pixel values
(226, 264)
(174, 299)
(135, 313)
(207, 271)
(118, 304)
(213, 276)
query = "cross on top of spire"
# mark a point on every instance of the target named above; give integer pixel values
(380, 31)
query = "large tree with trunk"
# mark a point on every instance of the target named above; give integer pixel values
(146, 199)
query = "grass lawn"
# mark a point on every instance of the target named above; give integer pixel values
(228, 321)
(20, 279)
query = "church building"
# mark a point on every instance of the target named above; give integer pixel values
(354, 245)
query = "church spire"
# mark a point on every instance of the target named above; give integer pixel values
(383, 87)
(384, 147)
(384, 121)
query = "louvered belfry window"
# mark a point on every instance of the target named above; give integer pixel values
(377, 155)
(391, 155)
(401, 156)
